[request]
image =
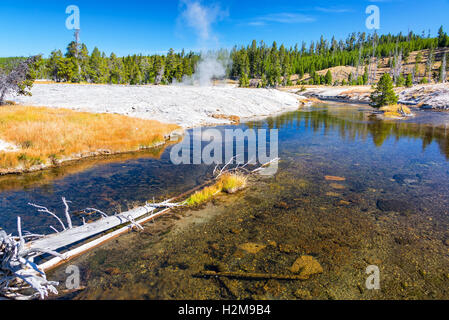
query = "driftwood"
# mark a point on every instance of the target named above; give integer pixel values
(18, 270)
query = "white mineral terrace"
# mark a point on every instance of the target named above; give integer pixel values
(187, 106)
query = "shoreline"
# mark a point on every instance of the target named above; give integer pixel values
(72, 160)
(433, 97)
(187, 107)
(280, 101)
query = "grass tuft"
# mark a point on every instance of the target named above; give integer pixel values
(232, 183)
(395, 111)
(229, 183)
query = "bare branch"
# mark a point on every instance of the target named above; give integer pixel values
(45, 210)
(67, 214)
(92, 210)
(19, 231)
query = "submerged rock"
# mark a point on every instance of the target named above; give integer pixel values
(303, 294)
(337, 186)
(113, 271)
(306, 266)
(391, 205)
(252, 247)
(407, 179)
(281, 205)
(334, 178)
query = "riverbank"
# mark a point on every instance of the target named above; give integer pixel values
(38, 138)
(84, 121)
(434, 97)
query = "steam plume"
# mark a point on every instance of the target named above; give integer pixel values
(200, 18)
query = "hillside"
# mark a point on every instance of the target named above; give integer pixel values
(341, 73)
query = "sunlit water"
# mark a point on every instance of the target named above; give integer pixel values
(394, 194)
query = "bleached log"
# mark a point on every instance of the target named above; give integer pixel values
(70, 236)
(17, 256)
(54, 262)
(18, 272)
(265, 165)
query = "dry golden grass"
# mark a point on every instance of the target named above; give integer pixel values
(229, 183)
(45, 135)
(395, 111)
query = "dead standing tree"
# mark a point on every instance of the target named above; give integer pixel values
(19, 79)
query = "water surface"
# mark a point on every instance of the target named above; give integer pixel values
(390, 210)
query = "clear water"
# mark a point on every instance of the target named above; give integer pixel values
(391, 209)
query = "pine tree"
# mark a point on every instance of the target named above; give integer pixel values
(244, 81)
(365, 76)
(400, 81)
(384, 94)
(409, 81)
(328, 78)
(98, 69)
(263, 81)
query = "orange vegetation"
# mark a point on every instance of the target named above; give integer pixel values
(48, 136)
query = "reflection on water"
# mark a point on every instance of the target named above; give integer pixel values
(353, 123)
(340, 133)
(112, 184)
(387, 207)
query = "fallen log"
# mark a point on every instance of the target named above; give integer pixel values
(70, 236)
(56, 261)
(18, 270)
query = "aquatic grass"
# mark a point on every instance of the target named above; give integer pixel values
(49, 134)
(229, 183)
(204, 195)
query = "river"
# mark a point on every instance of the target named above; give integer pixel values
(351, 191)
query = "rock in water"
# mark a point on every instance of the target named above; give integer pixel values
(303, 294)
(391, 205)
(252, 247)
(306, 266)
(337, 186)
(407, 179)
(334, 178)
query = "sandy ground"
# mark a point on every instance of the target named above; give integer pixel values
(426, 96)
(186, 106)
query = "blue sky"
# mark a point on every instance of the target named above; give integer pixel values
(145, 26)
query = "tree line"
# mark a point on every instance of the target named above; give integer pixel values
(257, 64)
(274, 65)
(78, 65)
